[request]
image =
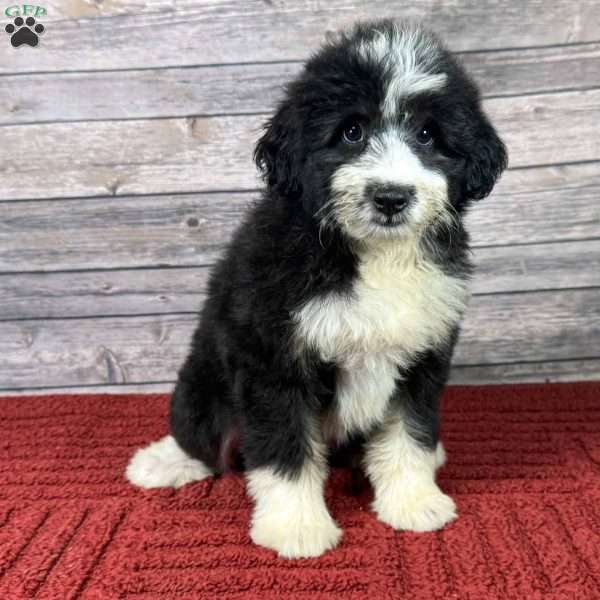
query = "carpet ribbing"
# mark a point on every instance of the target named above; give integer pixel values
(524, 468)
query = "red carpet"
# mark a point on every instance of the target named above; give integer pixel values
(524, 467)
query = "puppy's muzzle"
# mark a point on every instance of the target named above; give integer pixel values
(391, 200)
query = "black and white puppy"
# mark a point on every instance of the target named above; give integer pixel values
(332, 317)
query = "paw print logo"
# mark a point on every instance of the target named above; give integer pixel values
(24, 32)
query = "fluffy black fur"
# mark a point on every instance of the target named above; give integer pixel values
(242, 387)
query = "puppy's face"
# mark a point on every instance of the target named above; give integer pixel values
(392, 181)
(382, 136)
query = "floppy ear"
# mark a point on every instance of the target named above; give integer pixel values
(278, 153)
(485, 161)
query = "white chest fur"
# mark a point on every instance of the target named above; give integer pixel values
(400, 305)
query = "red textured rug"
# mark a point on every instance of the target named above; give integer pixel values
(524, 467)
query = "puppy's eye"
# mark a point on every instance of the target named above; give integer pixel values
(425, 136)
(353, 133)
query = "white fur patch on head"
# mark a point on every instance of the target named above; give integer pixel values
(290, 515)
(388, 160)
(410, 54)
(164, 464)
(403, 477)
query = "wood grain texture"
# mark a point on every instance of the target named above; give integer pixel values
(118, 34)
(533, 70)
(536, 128)
(168, 290)
(110, 350)
(119, 388)
(536, 205)
(88, 294)
(548, 371)
(254, 88)
(128, 157)
(546, 204)
(505, 328)
(510, 328)
(118, 232)
(213, 153)
(537, 266)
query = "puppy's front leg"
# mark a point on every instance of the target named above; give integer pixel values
(287, 469)
(290, 515)
(403, 475)
(402, 458)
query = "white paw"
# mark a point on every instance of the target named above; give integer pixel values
(425, 508)
(295, 536)
(164, 464)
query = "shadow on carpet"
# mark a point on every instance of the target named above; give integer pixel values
(523, 466)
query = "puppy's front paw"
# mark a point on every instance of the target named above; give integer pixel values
(295, 536)
(425, 508)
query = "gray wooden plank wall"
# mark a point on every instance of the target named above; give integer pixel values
(125, 164)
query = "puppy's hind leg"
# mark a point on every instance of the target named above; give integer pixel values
(164, 464)
(188, 453)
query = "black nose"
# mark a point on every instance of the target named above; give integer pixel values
(392, 200)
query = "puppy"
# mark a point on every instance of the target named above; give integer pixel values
(332, 317)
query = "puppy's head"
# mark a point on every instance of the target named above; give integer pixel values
(381, 135)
